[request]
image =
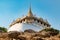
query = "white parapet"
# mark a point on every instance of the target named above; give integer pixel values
(24, 26)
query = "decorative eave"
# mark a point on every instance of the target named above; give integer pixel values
(15, 21)
(30, 16)
(26, 17)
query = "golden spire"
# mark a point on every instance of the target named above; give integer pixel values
(30, 12)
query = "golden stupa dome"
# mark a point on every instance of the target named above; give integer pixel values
(30, 13)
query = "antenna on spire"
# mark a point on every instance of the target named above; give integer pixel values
(30, 7)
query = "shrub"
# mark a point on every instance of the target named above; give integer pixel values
(51, 31)
(3, 29)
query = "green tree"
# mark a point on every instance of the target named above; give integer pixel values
(51, 31)
(3, 29)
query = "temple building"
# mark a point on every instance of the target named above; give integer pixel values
(29, 22)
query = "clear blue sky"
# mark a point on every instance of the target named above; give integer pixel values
(47, 9)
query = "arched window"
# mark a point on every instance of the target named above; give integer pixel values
(23, 19)
(20, 21)
(34, 19)
(44, 24)
(38, 21)
(41, 22)
(47, 25)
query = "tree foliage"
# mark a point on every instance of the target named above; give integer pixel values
(3, 29)
(51, 31)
